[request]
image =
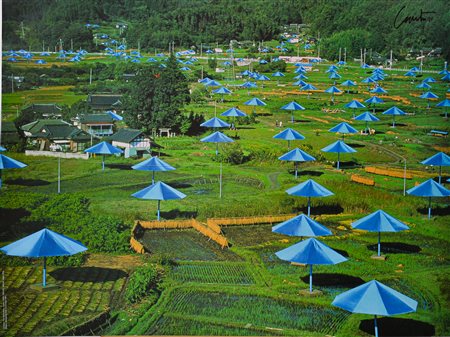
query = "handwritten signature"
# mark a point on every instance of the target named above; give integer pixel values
(422, 17)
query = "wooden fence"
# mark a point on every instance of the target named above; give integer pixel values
(362, 180)
(252, 220)
(136, 246)
(207, 231)
(397, 173)
(168, 224)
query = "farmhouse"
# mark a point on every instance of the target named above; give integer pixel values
(104, 102)
(44, 110)
(55, 134)
(134, 142)
(97, 125)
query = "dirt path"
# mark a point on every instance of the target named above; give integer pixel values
(125, 262)
(273, 177)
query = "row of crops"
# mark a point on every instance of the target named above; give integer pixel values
(245, 311)
(82, 294)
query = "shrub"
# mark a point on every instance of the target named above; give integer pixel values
(144, 280)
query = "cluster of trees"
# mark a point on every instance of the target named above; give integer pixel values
(378, 24)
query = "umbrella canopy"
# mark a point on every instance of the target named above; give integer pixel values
(394, 111)
(114, 115)
(44, 243)
(301, 225)
(103, 148)
(374, 100)
(348, 83)
(301, 77)
(445, 103)
(222, 91)
(289, 134)
(429, 95)
(8, 163)
(310, 251)
(339, 147)
(233, 112)
(308, 87)
(212, 83)
(159, 191)
(215, 123)
(375, 298)
(379, 221)
(292, 106)
(296, 155)
(378, 90)
(354, 104)
(332, 90)
(423, 85)
(309, 188)
(343, 128)
(2, 148)
(153, 164)
(263, 78)
(429, 189)
(439, 159)
(367, 117)
(217, 137)
(255, 102)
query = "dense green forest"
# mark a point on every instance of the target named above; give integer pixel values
(378, 24)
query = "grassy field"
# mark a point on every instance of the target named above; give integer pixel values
(246, 290)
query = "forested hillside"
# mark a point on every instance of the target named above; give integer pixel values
(378, 24)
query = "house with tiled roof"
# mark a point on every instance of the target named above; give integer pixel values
(133, 142)
(53, 134)
(104, 102)
(44, 110)
(97, 125)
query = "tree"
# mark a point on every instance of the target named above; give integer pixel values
(156, 97)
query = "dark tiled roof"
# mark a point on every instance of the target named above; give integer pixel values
(43, 109)
(104, 100)
(37, 125)
(126, 135)
(96, 118)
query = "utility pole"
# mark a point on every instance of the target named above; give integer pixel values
(71, 44)
(391, 61)
(345, 55)
(12, 83)
(365, 52)
(340, 49)
(60, 44)
(22, 31)
(361, 57)
(139, 47)
(90, 76)
(201, 50)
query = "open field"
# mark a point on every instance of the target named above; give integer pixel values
(246, 289)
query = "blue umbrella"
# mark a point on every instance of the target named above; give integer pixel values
(343, 128)
(374, 100)
(292, 106)
(332, 90)
(348, 84)
(365, 66)
(310, 251)
(423, 85)
(378, 90)
(263, 78)
(375, 298)
(233, 112)
(215, 123)
(379, 221)
(301, 77)
(445, 103)
(159, 191)
(218, 137)
(368, 80)
(339, 147)
(367, 117)
(289, 134)
(309, 188)
(446, 77)
(308, 87)
(205, 80)
(278, 74)
(394, 111)
(429, 95)
(301, 225)
(2, 148)
(103, 148)
(40, 62)
(114, 115)
(429, 189)
(213, 83)
(354, 104)
(153, 164)
(300, 83)
(44, 243)
(296, 155)
(410, 74)
(8, 163)
(255, 102)
(222, 91)
(334, 76)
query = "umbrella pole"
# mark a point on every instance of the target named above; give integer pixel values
(103, 162)
(158, 214)
(440, 173)
(338, 160)
(393, 122)
(429, 208)
(310, 278)
(296, 166)
(376, 326)
(292, 116)
(309, 206)
(153, 177)
(44, 272)
(217, 149)
(220, 181)
(289, 145)
(379, 244)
